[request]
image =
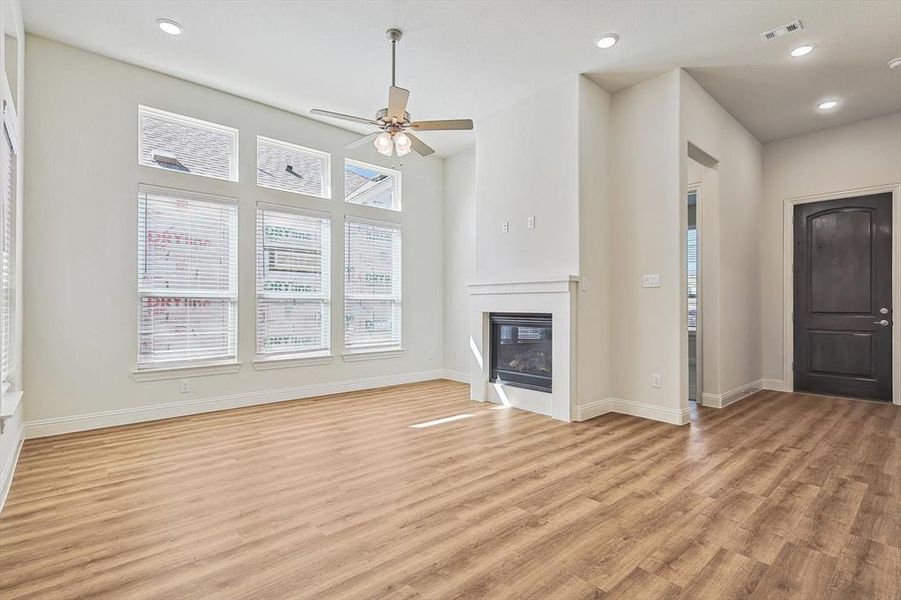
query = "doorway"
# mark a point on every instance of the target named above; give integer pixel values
(692, 256)
(842, 297)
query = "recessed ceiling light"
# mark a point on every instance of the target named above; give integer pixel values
(895, 63)
(608, 40)
(827, 104)
(169, 26)
(801, 51)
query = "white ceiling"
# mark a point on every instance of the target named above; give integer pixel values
(470, 58)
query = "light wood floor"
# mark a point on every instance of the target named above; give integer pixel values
(778, 496)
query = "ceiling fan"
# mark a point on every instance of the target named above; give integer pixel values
(394, 121)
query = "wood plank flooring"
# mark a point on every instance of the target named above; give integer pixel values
(777, 496)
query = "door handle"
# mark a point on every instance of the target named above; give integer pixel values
(883, 323)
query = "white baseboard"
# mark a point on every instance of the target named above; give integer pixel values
(9, 467)
(636, 409)
(594, 409)
(461, 376)
(126, 416)
(775, 385)
(732, 396)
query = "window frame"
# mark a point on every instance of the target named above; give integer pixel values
(291, 358)
(398, 184)
(327, 176)
(170, 369)
(234, 167)
(380, 350)
(8, 129)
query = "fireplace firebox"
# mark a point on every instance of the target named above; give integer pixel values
(521, 350)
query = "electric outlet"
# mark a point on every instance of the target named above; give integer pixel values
(532, 222)
(505, 226)
(431, 355)
(655, 380)
(651, 280)
(185, 386)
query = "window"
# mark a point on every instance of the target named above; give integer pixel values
(691, 246)
(170, 141)
(187, 279)
(372, 285)
(8, 247)
(371, 186)
(284, 166)
(293, 282)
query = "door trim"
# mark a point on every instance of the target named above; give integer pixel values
(788, 257)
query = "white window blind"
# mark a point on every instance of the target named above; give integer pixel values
(371, 186)
(187, 279)
(293, 282)
(292, 168)
(179, 143)
(692, 266)
(372, 285)
(8, 243)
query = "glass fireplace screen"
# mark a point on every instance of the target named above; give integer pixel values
(521, 350)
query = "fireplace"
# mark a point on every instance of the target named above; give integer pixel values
(520, 350)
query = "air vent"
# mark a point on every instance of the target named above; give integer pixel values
(792, 27)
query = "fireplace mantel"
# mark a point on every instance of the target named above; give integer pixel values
(562, 284)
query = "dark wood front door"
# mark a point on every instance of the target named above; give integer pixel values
(843, 297)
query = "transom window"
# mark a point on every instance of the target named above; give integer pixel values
(292, 168)
(371, 186)
(179, 143)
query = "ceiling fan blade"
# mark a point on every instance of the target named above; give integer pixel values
(448, 124)
(343, 117)
(421, 147)
(397, 101)
(361, 141)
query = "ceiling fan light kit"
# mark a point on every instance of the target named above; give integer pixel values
(394, 121)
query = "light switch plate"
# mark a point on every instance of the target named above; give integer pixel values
(650, 280)
(532, 222)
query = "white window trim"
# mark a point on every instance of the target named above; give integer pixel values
(376, 351)
(398, 180)
(174, 370)
(234, 171)
(10, 118)
(327, 179)
(287, 361)
(274, 361)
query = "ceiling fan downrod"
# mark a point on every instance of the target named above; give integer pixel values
(394, 36)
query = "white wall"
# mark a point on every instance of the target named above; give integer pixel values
(80, 231)
(730, 210)
(525, 168)
(859, 155)
(459, 258)
(595, 251)
(646, 205)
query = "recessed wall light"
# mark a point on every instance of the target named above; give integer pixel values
(827, 104)
(895, 63)
(801, 51)
(608, 40)
(169, 26)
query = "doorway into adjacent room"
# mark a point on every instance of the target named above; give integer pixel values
(691, 268)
